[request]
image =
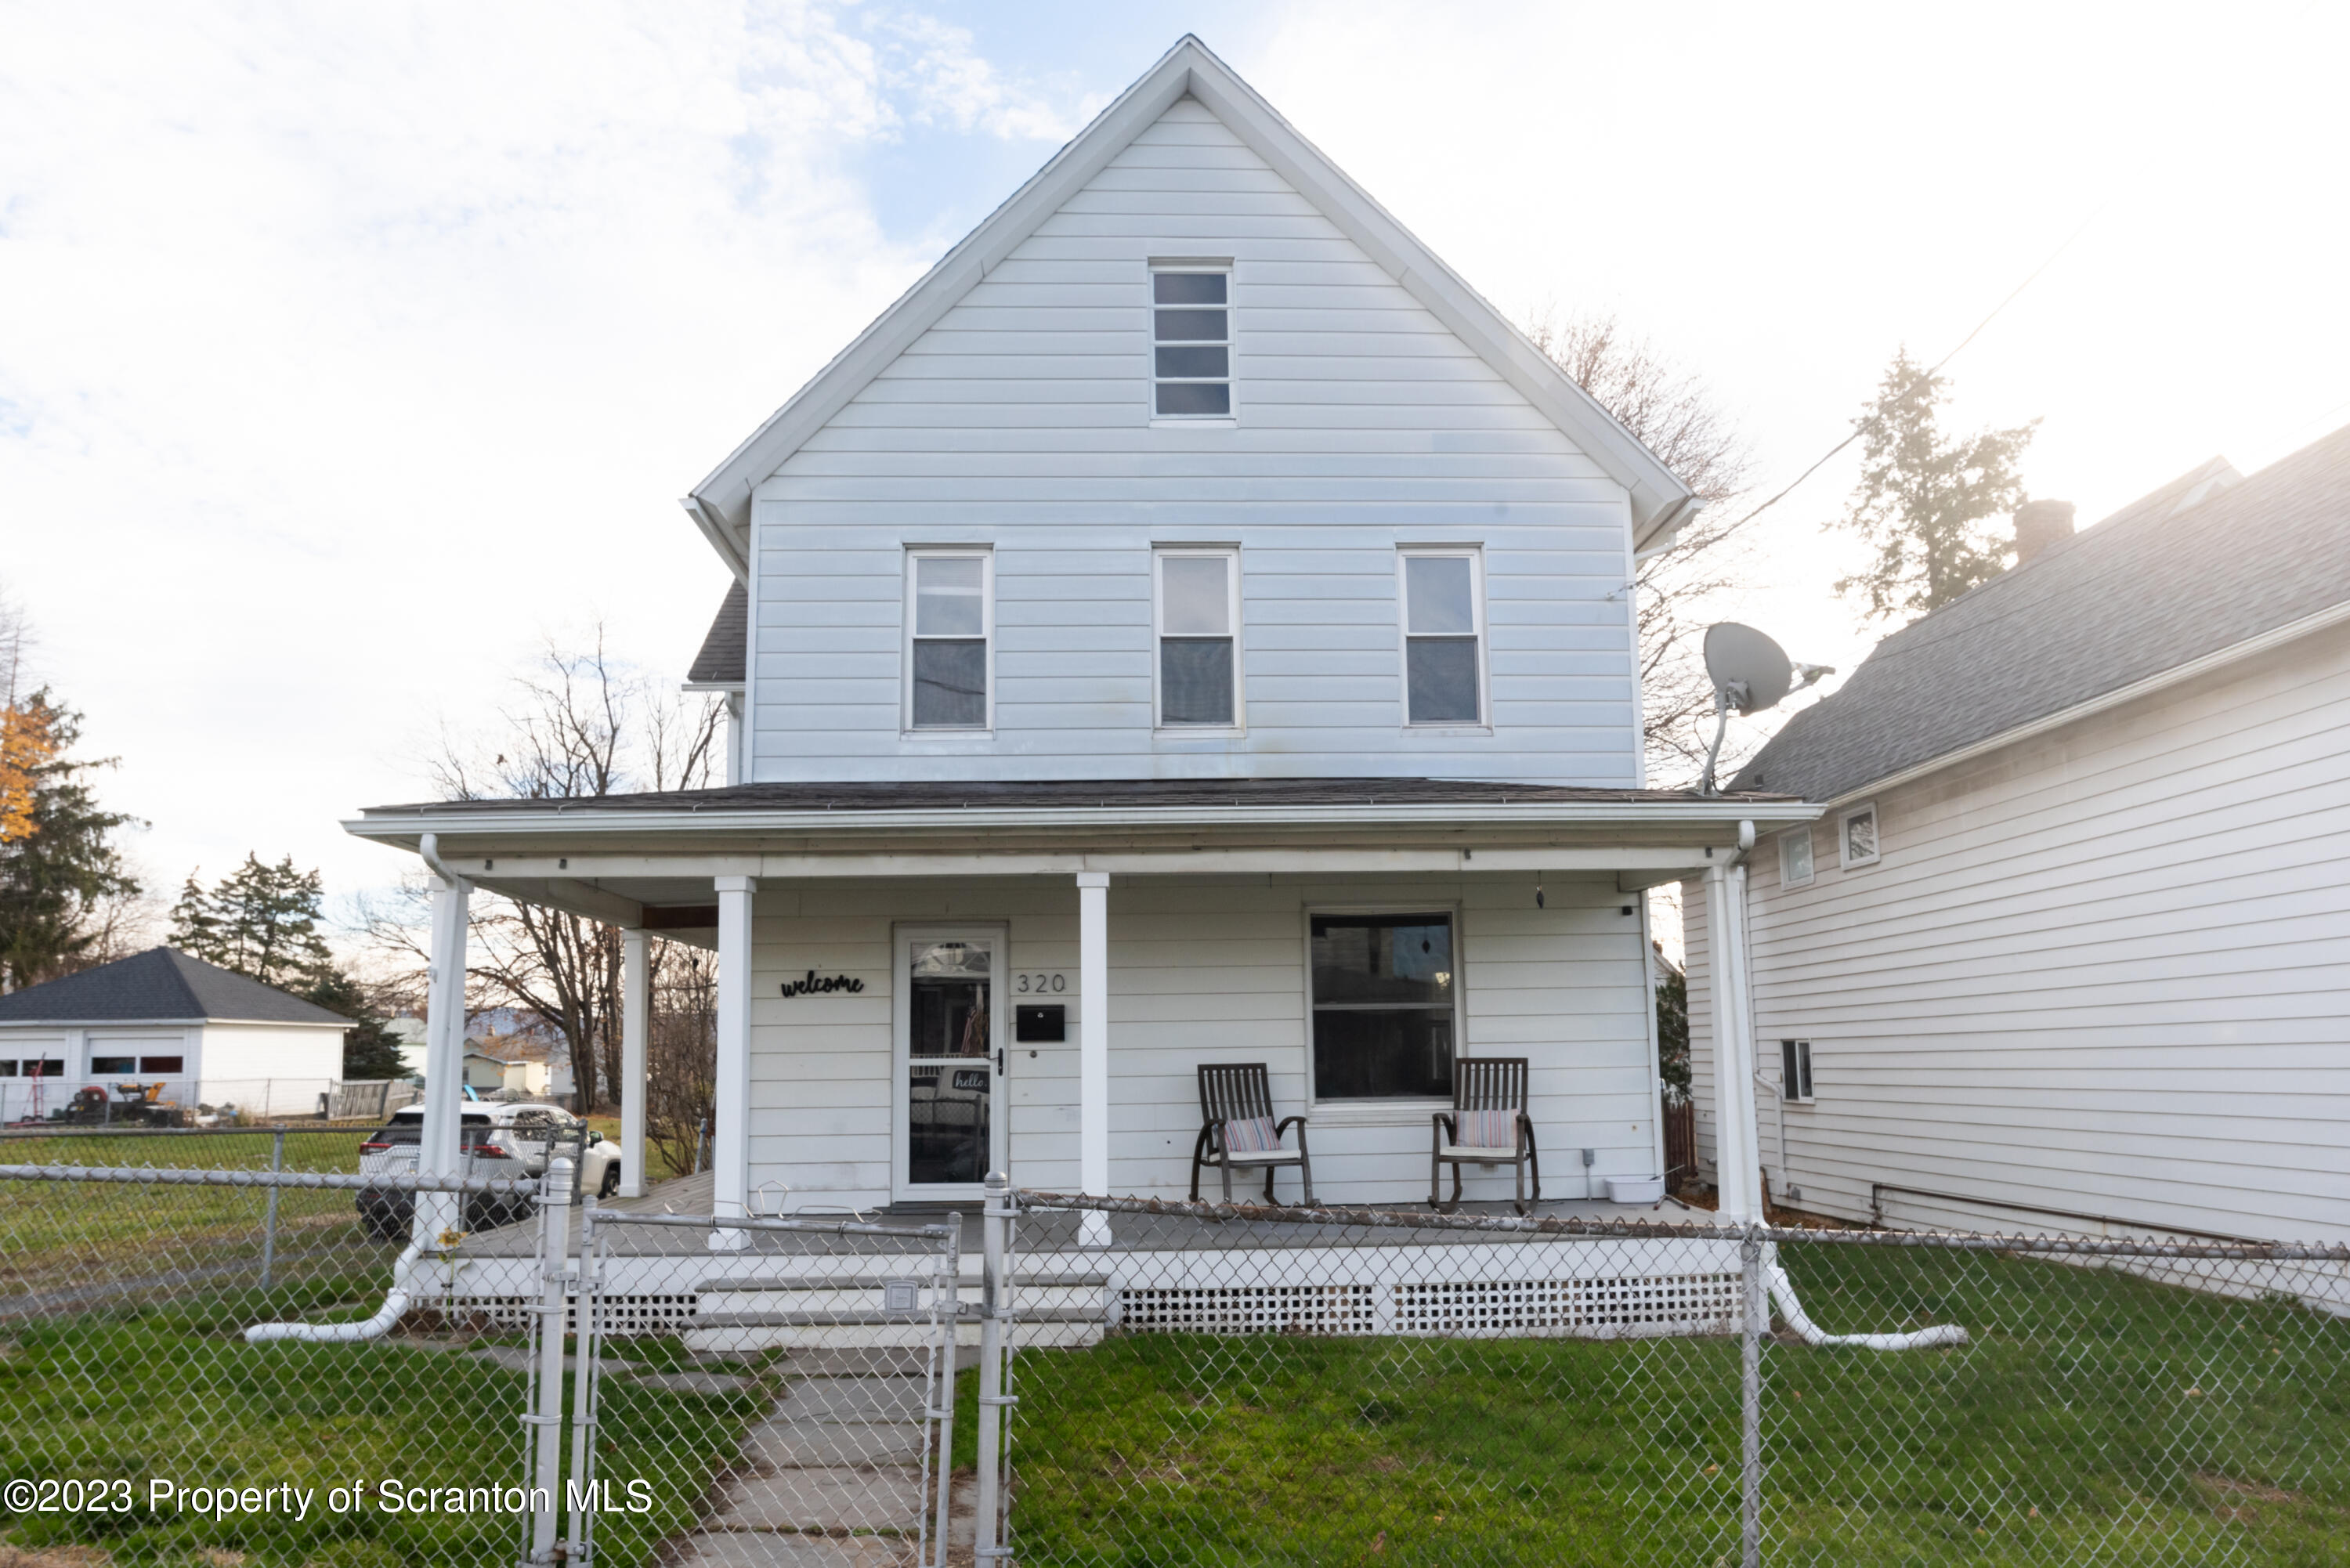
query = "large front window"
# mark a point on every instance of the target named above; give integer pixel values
(1383, 1005)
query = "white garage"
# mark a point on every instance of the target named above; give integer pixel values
(163, 1026)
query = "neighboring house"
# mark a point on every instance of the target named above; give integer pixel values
(1189, 625)
(2067, 950)
(210, 1035)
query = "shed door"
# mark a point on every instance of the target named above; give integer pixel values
(950, 1059)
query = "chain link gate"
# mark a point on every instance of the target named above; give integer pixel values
(816, 1357)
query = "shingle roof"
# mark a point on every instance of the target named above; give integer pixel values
(160, 984)
(724, 647)
(2154, 586)
(1067, 794)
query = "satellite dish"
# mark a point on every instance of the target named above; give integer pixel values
(1749, 673)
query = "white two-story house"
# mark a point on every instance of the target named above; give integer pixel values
(1189, 625)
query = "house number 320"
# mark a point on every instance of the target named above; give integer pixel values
(1035, 984)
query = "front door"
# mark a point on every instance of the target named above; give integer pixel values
(951, 1056)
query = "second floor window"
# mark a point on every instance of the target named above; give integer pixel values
(1199, 623)
(1190, 344)
(1444, 632)
(949, 622)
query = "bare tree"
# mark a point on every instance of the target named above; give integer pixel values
(581, 726)
(681, 1057)
(1675, 415)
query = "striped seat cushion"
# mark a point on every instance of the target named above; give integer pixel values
(1486, 1129)
(1249, 1135)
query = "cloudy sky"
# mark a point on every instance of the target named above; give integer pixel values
(348, 353)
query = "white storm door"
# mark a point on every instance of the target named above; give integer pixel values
(948, 1108)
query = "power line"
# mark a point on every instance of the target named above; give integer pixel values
(1861, 427)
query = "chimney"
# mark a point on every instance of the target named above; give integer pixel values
(2040, 523)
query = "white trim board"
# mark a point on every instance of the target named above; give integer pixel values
(721, 504)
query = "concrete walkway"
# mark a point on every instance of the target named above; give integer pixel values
(832, 1476)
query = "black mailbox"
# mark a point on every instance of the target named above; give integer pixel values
(1047, 1022)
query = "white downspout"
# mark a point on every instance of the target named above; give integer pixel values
(445, 1056)
(1731, 968)
(396, 1303)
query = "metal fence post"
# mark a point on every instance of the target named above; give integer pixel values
(269, 1225)
(580, 1541)
(1749, 1401)
(547, 1419)
(950, 1286)
(995, 1225)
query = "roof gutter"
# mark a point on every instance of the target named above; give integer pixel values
(2177, 675)
(1531, 814)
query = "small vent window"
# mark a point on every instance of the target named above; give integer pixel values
(1795, 858)
(1795, 1070)
(1857, 836)
(1191, 343)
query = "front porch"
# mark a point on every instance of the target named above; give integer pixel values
(922, 984)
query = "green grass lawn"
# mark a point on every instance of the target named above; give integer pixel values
(176, 1393)
(2095, 1417)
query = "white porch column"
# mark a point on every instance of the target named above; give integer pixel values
(731, 1158)
(1737, 1150)
(444, 1063)
(635, 1036)
(1093, 1049)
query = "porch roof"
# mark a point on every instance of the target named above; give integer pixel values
(649, 859)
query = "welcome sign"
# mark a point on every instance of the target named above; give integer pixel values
(814, 985)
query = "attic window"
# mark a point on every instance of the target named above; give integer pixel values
(1191, 340)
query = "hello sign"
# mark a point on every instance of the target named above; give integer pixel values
(815, 985)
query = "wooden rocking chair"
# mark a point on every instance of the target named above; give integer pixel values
(1237, 1128)
(1488, 1125)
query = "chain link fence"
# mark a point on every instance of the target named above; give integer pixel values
(1102, 1382)
(1197, 1383)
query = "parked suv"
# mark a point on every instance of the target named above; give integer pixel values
(499, 1141)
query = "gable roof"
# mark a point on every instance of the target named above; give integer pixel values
(726, 647)
(2197, 569)
(160, 985)
(721, 504)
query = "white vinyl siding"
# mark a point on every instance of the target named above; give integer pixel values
(1023, 421)
(1202, 970)
(2101, 971)
(1198, 618)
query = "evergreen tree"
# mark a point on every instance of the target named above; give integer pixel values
(60, 862)
(263, 920)
(1928, 505)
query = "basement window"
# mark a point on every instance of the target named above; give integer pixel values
(1796, 1071)
(1191, 340)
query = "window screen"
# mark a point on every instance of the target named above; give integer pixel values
(947, 661)
(1443, 631)
(1383, 1005)
(1199, 675)
(1190, 345)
